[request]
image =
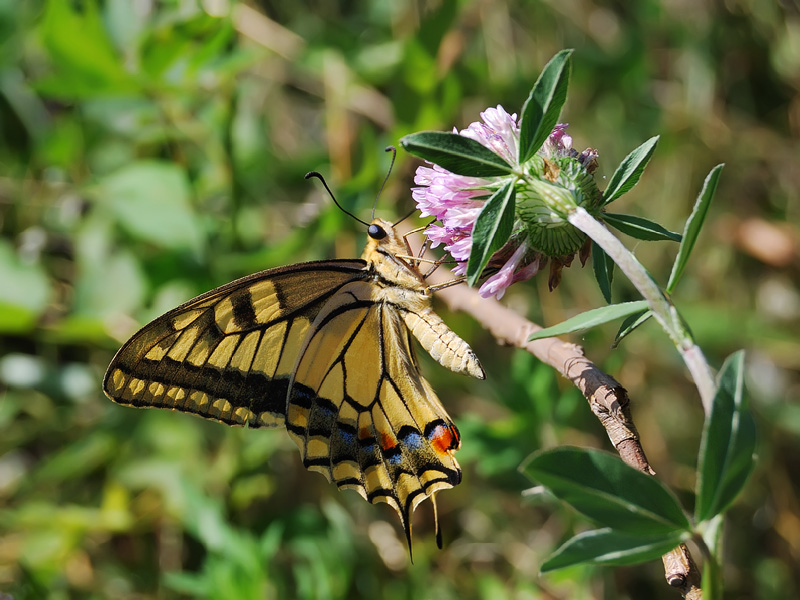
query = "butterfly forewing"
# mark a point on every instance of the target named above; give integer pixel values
(228, 355)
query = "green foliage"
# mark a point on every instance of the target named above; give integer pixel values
(603, 268)
(150, 200)
(456, 153)
(608, 546)
(100, 501)
(693, 226)
(640, 228)
(492, 230)
(25, 292)
(630, 323)
(629, 171)
(607, 491)
(727, 449)
(640, 519)
(591, 318)
(542, 108)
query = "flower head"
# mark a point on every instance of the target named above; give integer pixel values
(547, 186)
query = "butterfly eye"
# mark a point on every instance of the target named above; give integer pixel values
(376, 232)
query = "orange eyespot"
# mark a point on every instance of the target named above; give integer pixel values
(442, 439)
(387, 442)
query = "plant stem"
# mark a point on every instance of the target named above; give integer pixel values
(663, 310)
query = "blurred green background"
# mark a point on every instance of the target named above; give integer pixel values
(152, 150)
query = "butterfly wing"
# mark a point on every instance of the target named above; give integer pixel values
(360, 410)
(229, 354)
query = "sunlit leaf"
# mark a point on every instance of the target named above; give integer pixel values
(150, 200)
(606, 490)
(693, 226)
(727, 449)
(610, 547)
(543, 106)
(458, 154)
(492, 230)
(629, 171)
(640, 228)
(591, 318)
(24, 292)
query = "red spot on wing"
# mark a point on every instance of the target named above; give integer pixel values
(387, 442)
(444, 438)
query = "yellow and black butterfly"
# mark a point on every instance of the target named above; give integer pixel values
(323, 348)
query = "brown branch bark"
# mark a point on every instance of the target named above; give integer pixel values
(607, 399)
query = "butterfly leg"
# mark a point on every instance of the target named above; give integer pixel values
(447, 284)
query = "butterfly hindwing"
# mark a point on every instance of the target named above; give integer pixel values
(360, 410)
(228, 355)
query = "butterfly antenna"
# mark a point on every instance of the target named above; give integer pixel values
(393, 150)
(311, 174)
(413, 210)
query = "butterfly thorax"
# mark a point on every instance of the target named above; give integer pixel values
(398, 282)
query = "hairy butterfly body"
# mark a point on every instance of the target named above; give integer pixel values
(323, 348)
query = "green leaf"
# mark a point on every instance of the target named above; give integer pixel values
(629, 171)
(603, 268)
(610, 547)
(693, 226)
(86, 64)
(458, 154)
(727, 449)
(542, 108)
(492, 230)
(640, 228)
(24, 293)
(591, 318)
(150, 199)
(629, 324)
(602, 487)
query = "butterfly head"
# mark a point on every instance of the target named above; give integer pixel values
(383, 238)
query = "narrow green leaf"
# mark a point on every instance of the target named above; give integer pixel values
(727, 449)
(492, 230)
(542, 108)
(640, 228)
(591, 318)
(693, 226)
(606, 490)
(629, 171)
(603, 268)
(610, 547)
(458, 154)
(629, 324)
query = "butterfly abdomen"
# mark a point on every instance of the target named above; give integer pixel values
(442, 343)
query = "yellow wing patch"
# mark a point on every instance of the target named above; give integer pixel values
(361, 413)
